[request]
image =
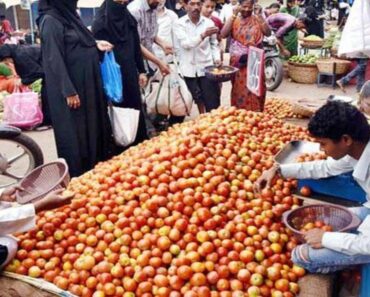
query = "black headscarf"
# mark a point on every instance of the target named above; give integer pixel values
(114, 19)
(66, 12)
(6, 51)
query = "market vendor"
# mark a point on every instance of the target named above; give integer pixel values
(281, 24)
(343, 134)
(27, 62)
(21, 218)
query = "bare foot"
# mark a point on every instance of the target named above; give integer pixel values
(341, 86)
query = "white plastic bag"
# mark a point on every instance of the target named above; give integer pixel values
(168, 95)
(355, 40)
(124, 122)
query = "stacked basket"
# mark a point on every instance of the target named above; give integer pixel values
(333, 65)
(303, 73)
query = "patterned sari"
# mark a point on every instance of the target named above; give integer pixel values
(245, 32)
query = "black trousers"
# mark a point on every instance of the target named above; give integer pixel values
(204, 91)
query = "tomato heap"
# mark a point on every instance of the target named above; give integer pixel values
(175, 216)
(280, 109)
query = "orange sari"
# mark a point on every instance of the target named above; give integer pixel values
(247, 32)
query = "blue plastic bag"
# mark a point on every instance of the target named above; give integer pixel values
(112, 78)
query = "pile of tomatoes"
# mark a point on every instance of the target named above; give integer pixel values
(280, 109)
(175, 216)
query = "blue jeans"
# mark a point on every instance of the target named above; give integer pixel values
(359, 71)
(325, 260)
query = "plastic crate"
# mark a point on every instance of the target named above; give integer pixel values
(341, 186)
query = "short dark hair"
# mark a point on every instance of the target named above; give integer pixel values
(242, 1)
(337, 118)
(187, 1)
(274, 5)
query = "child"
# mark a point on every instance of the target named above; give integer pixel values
(364, 99)
(208, 8)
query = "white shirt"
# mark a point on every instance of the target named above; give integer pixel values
(16, 219)
(147, 22)
(165, 22)
(193, 53)
(351, 244)
(226, 12)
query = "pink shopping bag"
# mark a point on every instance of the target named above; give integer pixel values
(22, 109)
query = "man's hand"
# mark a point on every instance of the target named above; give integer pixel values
(104, 46)
(53, 200)
(286, 53)
(74, 101)
(143, 80)
(314, 238)
(266, 178)
(209, 32)
(164, 68)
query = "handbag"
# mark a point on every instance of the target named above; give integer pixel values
(112, 78)
(22, 109)
(168, 95)
(125, 123)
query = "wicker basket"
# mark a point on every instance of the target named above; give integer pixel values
(43, 180)
(328, 66)
(303, 73)
(340, 218)
(312, 44)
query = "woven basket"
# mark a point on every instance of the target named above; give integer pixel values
(327, 66)
(340, 218)
(43, 180)
(303, 73)
(313, 43)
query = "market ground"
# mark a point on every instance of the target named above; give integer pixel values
(287, 89)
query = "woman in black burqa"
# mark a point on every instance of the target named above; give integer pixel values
(115, 24)
(78, 108)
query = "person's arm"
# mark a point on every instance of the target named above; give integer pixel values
(52, 34)
(317, 169)
(226, 30)
(17, 219)
(185, 40)
(347, 243)
(313, 170)
(23, 218)
(163, 67)
(215, 49)
(288, 24)
(167, 48)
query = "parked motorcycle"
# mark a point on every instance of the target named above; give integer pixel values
(19, 154)
(274, 70)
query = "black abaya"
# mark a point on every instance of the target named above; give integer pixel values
(71, 67)
(115, 24)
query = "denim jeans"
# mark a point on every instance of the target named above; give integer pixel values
(326, 260)
(359, 71)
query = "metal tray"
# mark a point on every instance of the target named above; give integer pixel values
(291, 151)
